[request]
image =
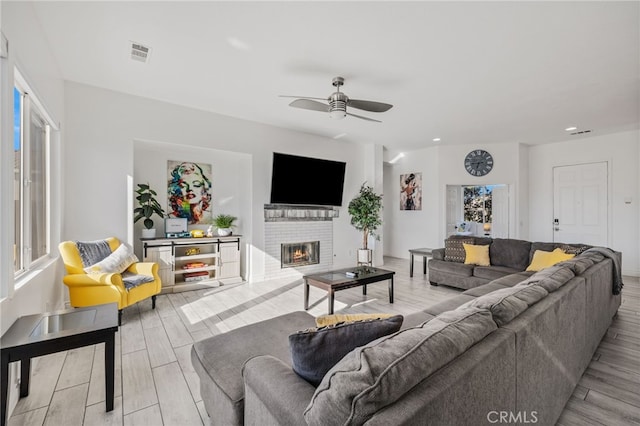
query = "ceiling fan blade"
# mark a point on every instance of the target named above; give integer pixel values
(364, 118)
(370, 106)
(309, 104)
(301, 97)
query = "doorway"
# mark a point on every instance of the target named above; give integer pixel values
(580, 204)
(483, 209)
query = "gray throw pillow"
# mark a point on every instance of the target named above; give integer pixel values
(314, 351)
(378, 374)
(453, 249)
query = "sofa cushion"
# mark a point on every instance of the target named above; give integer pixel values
(493, 272)
(483, 289)
(579, 264)
(448, 304)
(314, 351)
(509, 252)
(378, 374)
(476, 255)
(453, 249)
(482, 241)
(545, 259)
(513, 279)
(218, 360)
(508, 303)
(567, 248)
(551, 278)
(450, 268)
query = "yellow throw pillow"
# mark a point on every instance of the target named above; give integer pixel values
(324, 320)
(476, 255)
(544, 259)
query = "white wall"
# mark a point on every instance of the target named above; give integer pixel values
(621, 151)
(529, 170)
(29, 53)
(406, 229)
(442, 166)
(42, 288)
(102, 126)
(230, 178)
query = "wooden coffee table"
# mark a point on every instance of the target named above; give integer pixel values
(337, 280)
(42, 334)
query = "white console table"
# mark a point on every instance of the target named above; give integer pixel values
(194, 263)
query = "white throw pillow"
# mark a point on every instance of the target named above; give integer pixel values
(118, 261)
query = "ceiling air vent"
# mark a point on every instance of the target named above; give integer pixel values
(140, 52)
(581, 132)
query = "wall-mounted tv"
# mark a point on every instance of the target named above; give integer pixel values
(305, 180)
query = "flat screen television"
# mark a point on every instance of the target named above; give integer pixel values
(306, 181)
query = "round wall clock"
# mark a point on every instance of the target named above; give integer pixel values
(478, 162)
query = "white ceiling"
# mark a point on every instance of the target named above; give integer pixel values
(467, 72)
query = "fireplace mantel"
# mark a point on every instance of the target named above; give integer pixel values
(292, 213)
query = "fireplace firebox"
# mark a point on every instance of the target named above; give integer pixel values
(300, 254)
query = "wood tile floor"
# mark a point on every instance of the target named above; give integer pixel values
(156, 384)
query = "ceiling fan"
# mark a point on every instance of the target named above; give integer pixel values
(338, 103)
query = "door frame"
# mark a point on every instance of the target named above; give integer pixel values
(609, 163)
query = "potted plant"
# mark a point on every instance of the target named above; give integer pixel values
(147, 207)
(224, 223)
(365, 211)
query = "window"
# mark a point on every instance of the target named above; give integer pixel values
(30, 182)
(477, 203)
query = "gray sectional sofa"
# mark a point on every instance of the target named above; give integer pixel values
(516, 345)
(508, 256)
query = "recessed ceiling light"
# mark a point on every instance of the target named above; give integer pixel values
(238, 44)
(436, 139)
(396, 158)
(341, 135)
(570, 129)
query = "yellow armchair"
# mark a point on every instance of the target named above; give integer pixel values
(98, 288)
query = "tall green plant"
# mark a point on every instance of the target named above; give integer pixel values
(365, 213)
(148, 205)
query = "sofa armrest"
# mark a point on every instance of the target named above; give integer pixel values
(144, 268)
(274, 393)
(437, 254)
(97, 280)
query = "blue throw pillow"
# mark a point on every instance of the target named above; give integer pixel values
(314, 351)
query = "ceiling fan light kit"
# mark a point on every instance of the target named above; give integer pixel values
(338, 102)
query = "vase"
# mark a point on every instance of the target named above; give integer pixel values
(365, 257)
(148, 233)
(224, 232)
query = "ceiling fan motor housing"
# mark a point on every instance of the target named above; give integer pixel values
(338, 105)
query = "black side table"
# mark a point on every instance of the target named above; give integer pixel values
(42, 334)
(424, 252)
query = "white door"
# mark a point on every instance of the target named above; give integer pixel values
(454, 208)
(500, 211)
(580, 204)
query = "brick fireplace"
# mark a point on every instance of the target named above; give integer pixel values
(299, 254)
(298, 240)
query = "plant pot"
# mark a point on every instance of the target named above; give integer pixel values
(224, 232)
(365, 256)
(148, 233)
